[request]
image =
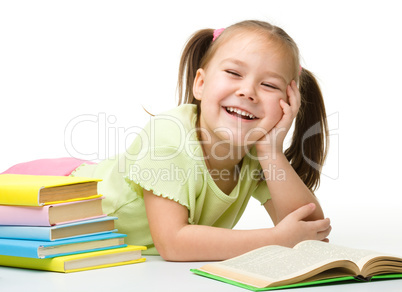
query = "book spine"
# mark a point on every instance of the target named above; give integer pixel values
(24, 215)
(26, 232)
(23, 195)
(54, 264)
(31, 263)
(18, 248)
(58, 264)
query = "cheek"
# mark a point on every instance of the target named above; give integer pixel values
(275, 111)
(221, 89)
(215, 93)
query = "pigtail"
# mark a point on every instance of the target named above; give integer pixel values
(309, 145)
(190, 62)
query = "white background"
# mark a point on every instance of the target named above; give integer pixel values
(62, 62)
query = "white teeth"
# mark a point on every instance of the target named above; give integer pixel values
(240, 112)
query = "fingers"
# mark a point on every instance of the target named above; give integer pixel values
(322, 228)
(290, 109)
(325, 233)
(303, 211)
(294, 97)
(287, 110)
(318, 229)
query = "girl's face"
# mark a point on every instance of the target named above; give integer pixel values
(240, 89)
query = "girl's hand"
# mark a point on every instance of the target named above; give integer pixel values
(292, 229)
(272, 142)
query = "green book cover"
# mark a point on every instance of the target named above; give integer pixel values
(348, 279)
(252, 288)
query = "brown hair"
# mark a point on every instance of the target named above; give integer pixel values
(309, 144)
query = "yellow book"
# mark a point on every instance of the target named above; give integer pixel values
(79, 262)
(39, 190)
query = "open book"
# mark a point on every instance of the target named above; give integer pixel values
(308, 263)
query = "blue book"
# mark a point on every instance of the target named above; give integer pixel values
(58, 232)
(50, 249)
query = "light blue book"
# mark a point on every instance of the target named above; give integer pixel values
(58, 232)
(50, 249)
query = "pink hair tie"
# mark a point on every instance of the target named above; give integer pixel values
(217, 32)
(300, 69)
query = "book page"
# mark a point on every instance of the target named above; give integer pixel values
(336, 252)
(274, 263)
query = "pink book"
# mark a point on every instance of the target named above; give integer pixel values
(51, 214)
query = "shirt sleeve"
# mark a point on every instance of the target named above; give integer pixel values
(168, 173)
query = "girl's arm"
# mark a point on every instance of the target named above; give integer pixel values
(288, 192)
(177, 240)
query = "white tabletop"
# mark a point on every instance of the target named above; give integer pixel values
(153, 275)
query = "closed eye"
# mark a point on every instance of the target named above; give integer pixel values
(233, 73)
(269, 85)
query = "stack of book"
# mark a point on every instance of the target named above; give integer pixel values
(56, 223)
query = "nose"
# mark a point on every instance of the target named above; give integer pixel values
(247, 90)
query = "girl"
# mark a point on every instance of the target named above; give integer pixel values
(188, 176)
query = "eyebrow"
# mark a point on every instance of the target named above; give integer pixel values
(243, 64)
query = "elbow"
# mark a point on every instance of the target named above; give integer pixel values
(169, 257)
(169, 252)
(169, 246)
(318, 213)
(164, 251)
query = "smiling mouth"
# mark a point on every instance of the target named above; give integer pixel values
(240, 113)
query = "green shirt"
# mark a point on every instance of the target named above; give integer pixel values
(167, 158)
